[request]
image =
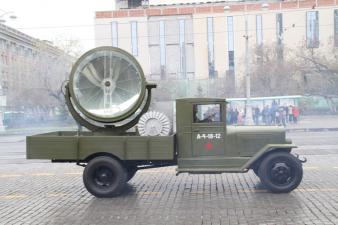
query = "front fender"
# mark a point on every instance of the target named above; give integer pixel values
(266, 149)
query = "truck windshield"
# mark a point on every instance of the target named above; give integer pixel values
(207, 113)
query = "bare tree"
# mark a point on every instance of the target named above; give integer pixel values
(35, 80)
(319, 69)
(301, 70)
(272, 74)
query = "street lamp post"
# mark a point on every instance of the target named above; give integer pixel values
(248, 109)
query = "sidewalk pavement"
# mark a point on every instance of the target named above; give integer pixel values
(36, 130)
(315, 123)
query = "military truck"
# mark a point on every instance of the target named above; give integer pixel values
(108, 94)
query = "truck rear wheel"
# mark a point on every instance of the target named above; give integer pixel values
(280, 172)
(104, 177)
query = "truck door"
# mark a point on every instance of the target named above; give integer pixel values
(208, 130)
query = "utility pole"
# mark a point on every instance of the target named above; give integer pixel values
(248, 109)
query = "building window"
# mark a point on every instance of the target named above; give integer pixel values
(134, 49)
(162, 49)
(279, 35)
(183, 65)
(231, 53)
(2, 43)
(279, 28)
(259, 39)
(114, 34)
(210, 37)
(336, 27)
(259, 30)
(312, 29)
(134, 3)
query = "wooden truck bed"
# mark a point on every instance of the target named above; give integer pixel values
(74, 146)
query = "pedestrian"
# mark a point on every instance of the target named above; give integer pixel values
(267, 112)
(290, 114)
(255, 115)
(282, 116)
(274, 109)
(258, 112)
(295, 113)
(263, 114)
(285, 115)
(234, 116)
(272, 115)
(240, 116)
(286, 109)
(228, 115)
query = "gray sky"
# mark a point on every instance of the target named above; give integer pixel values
(56, 20)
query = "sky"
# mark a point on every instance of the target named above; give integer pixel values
(56, 21)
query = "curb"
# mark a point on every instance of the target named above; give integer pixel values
(312, 129)
(35, 131)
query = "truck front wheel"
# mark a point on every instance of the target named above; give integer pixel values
(280, 172)
(131, 173)
(104, 177)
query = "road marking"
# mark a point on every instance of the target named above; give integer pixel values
(75, 173)
(329, 189)
(13, 196)
(310, 167)
(10, 175)
(42, 174)
(297, 190)
(317, 189)
(306, 189)
(157, 171)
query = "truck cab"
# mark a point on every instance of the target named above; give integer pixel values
(205, 144)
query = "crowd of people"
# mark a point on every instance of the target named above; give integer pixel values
(268, 115)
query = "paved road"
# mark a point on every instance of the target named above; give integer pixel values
(38, 192)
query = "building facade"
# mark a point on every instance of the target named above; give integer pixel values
(212, 40)
(31, 70)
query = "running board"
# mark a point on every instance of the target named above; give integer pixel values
(209, 170)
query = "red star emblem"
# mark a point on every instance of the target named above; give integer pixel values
(208, 146)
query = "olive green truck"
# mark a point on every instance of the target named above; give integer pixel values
(107, 94)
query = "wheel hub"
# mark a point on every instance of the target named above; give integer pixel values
(281, 173)
(103, 177)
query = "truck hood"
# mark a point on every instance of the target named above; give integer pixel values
(249, 139)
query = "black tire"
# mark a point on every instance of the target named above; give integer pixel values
(104, 177)
(131, 173)
(280, 172)
(255, 170)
